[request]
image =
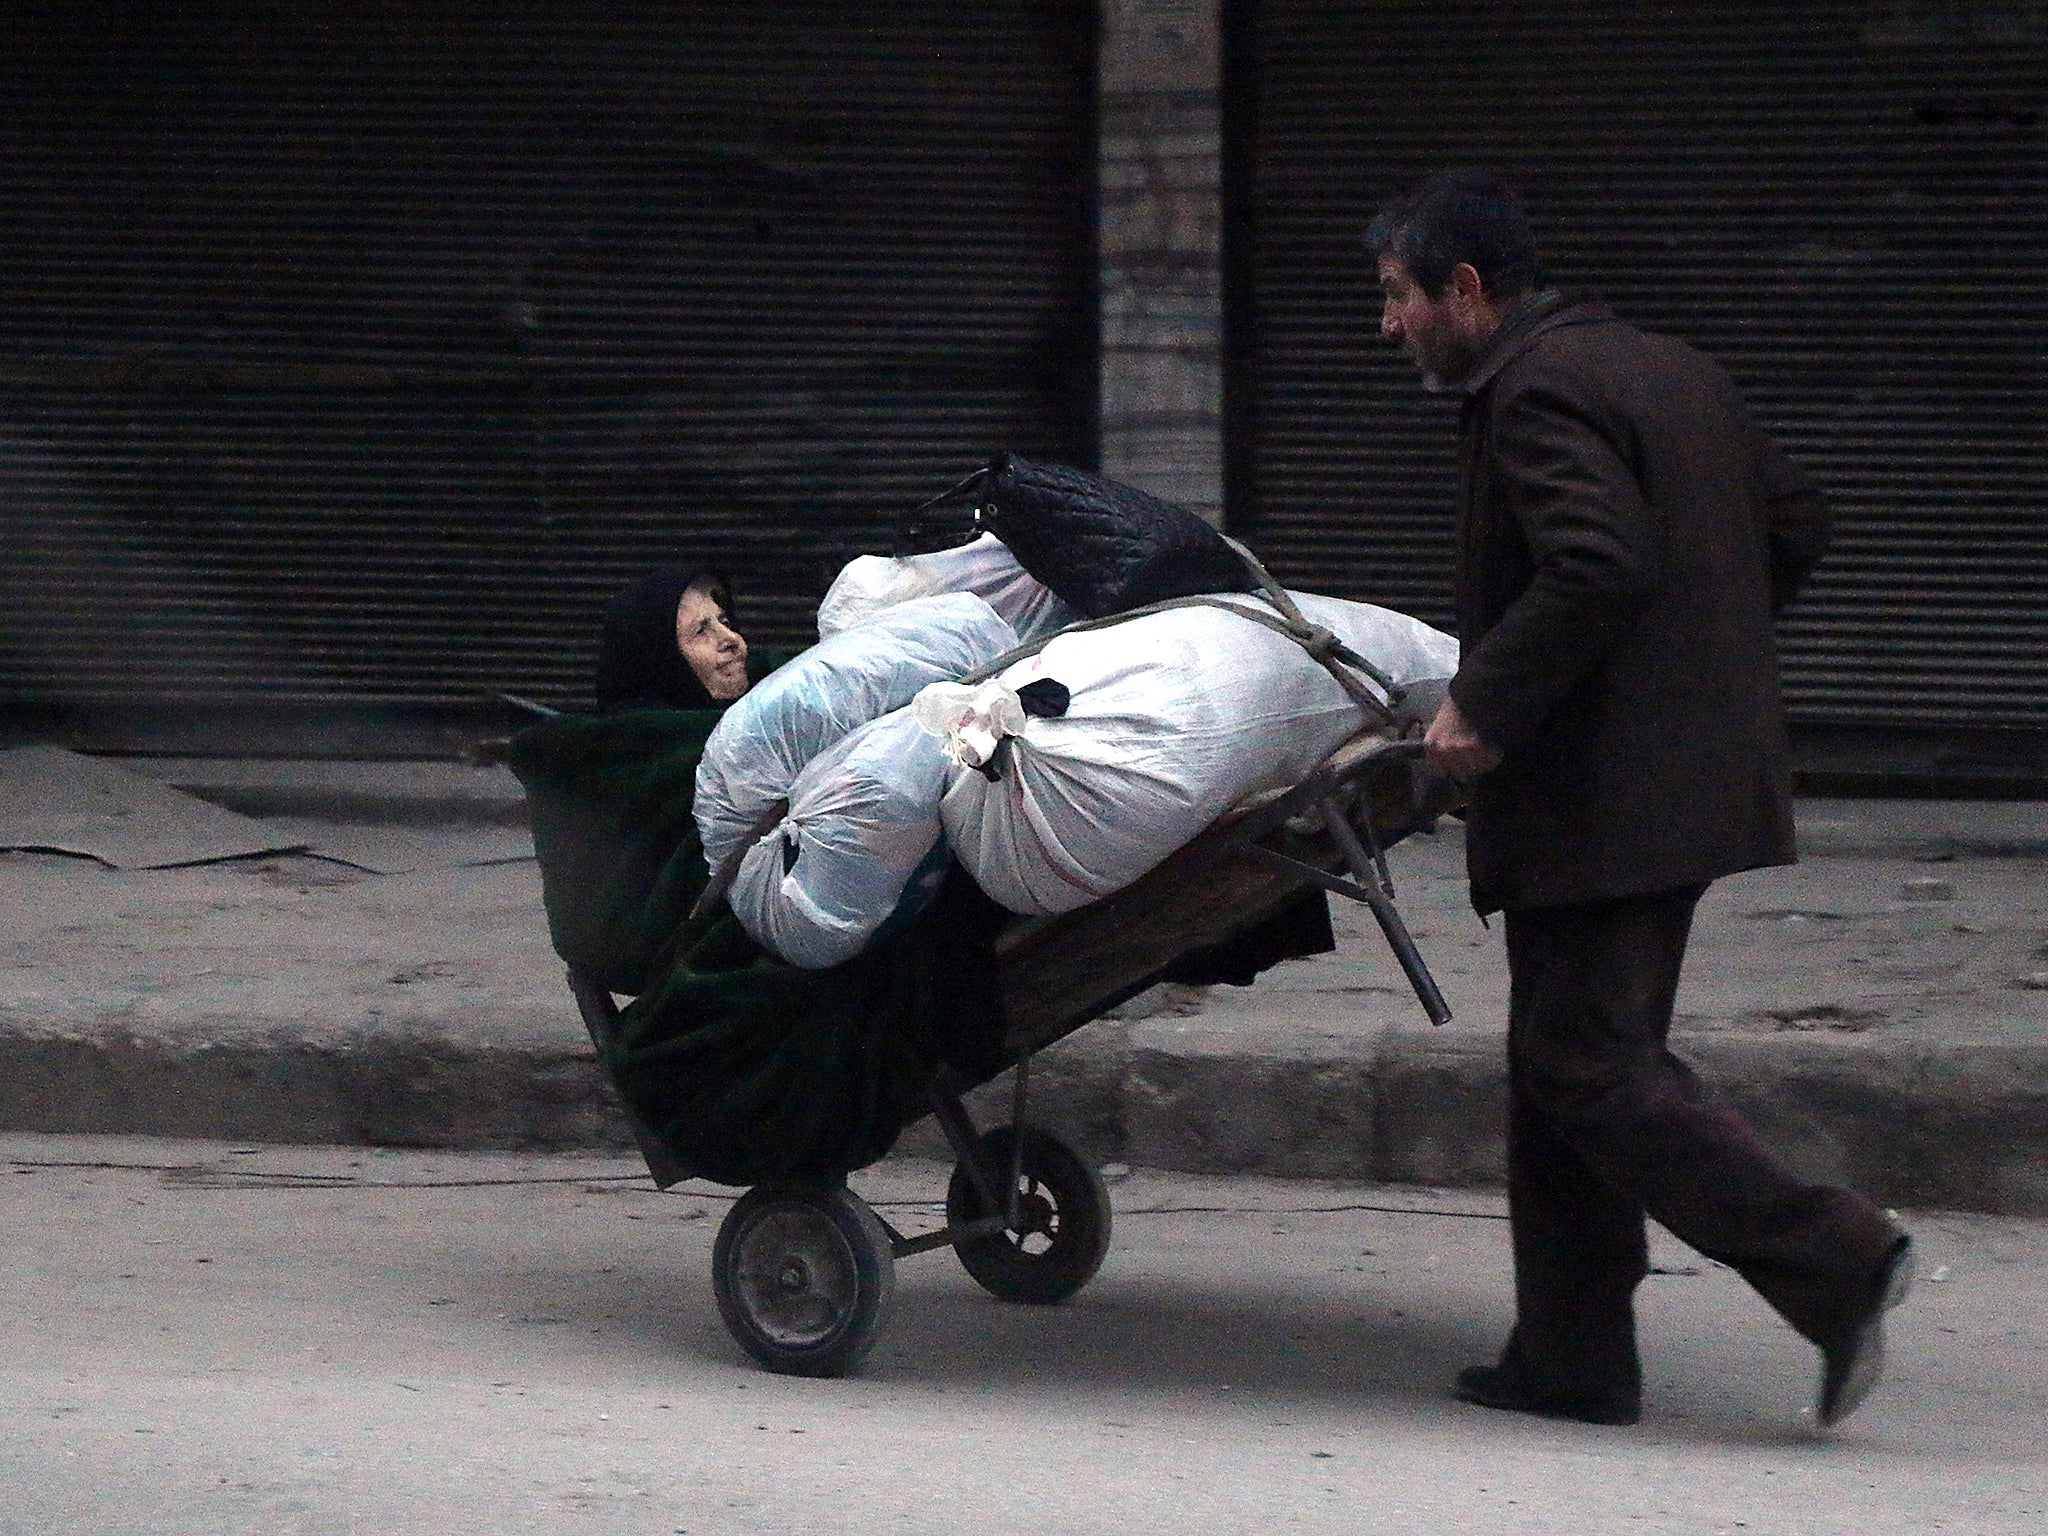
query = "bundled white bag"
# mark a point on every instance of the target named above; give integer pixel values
(1171, 719)
(871, 583)
(859, 845)
(774, 729)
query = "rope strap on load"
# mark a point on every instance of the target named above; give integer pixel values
(1342, 662)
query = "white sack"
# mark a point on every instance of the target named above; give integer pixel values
(774, 729)
(1173, 719)
(985, 567)
(861, 841)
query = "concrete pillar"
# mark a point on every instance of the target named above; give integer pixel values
(1161, 251)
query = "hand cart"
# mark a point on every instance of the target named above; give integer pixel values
(804, 1270)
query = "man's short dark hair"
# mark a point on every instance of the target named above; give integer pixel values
(1454, 217)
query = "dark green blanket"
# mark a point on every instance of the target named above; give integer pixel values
(746, 1068)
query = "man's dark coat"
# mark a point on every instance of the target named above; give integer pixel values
(1627, 535)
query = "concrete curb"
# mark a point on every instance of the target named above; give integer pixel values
(387, 1090)
(298, 1004)
(1944, 1126)
(1949, 1127)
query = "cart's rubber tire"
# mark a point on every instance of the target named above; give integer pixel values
(1065, 1229)
(803, 1273)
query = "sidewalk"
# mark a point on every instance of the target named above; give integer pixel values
(1882, 1009)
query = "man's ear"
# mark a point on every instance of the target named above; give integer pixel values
(1473, 308)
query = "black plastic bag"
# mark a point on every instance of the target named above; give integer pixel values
(1105, 548)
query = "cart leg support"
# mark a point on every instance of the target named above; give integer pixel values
(1363, 888)
(1376, 895)
(601, 1019)
(960, 1136)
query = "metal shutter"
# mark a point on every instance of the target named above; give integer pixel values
(1847, 204)
(357, 357)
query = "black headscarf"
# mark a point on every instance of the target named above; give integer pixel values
(638, 665)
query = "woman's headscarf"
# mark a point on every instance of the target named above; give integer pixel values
(638, 665)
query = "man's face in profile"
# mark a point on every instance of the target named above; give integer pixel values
(1435, 332)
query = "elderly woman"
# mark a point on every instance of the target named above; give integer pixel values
(669, 643)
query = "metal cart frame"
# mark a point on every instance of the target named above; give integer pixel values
(804, 1270)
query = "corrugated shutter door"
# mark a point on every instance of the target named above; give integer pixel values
(351, 358)
(1846, 204)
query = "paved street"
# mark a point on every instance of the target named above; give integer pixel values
(223, 1339)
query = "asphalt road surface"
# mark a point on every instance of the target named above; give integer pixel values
(215, 1339)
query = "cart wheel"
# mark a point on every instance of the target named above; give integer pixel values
(803, 1274)
(1063, 1230)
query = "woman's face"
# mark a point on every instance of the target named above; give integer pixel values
(711, 646)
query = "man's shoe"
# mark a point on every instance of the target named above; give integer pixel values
(1500, 1386)
(1850, 1367)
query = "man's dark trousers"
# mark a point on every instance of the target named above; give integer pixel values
(1605, 1125)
